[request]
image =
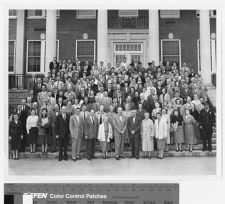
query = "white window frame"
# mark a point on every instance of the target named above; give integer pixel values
(14, 61)
(130, 51)
(163, 40)
(78, 16)
(211, 14)
(13, 17)
(44, 68)
(122, 13)
(213, 70)
(81, 40)
(44, 14)
(167, 15)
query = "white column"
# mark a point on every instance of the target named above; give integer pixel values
(154, 36)
(51, 24)
(213, 54)
(205, 46)
(19, 46)
(102, 38)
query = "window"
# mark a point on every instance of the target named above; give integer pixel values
(213, 55)
(128, 13)
(171, 51)
(34, 59)
(85, 50)
(34, 56)
(132, 47)
(212, 13)
(85, 14)
(11, 55)
(170, 13)
(12, 13)
(40, 14)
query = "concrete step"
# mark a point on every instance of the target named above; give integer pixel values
(98, 155)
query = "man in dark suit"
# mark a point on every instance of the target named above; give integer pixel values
(23, 118)
(207, 122)
(37, 88)
(31, 82)
(90, 132)
(54, 65)
(134, 126)
(62, 133)
(140, 111)
(53, 114)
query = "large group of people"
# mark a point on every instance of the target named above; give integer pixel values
(118, 107)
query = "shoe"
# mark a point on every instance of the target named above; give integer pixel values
(149, 157)
(16, 158)
(60, 158)
(177, 150)
(131, 157)
(104, 157)
(145, 156)
(117, 158)
(65, 158)
(210, 150)
(89, 158)
(158, 157)
(78, 158)
(137, 157)
(181, 150)
(161, 157)
(94, 157)
(190, 150)
(121, 157)
(74, 159)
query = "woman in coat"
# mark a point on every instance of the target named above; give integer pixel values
(104, 135)
(166, 117)
(178, 131)
(160, 134)
(43, 133)
(189, 132)
(15, 135)
(32, 130)
(147, 133)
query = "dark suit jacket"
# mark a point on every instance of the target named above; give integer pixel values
(23, 117)
(207, 119)
(62, 126)
(31, 83)
(136, 126)
(141, 114)
(91, 129)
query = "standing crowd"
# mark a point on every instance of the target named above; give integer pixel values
(118, 107)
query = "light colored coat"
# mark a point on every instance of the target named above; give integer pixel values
(101, 133)
(160, 129)
(147, 128)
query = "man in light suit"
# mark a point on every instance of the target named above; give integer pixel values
(134, 126)
(62, 133)
(42, 95)
(107, 101)
(91, 132)
(120, 124)
(76, 132)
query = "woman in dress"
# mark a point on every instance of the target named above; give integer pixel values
(104, 135)
(15, 135)
(147, 133)
(189, 132)
(43, 133)
(195, 114)
(32, 130)
(69, 108)
(127, 113)
(160, 134)
(178, 131)
(166, 117)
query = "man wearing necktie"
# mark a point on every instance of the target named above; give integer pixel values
(62, 133)
(134, 126)
(91, 132)
(76, 130)
(120, 124)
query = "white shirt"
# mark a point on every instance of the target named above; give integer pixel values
(32, 121)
